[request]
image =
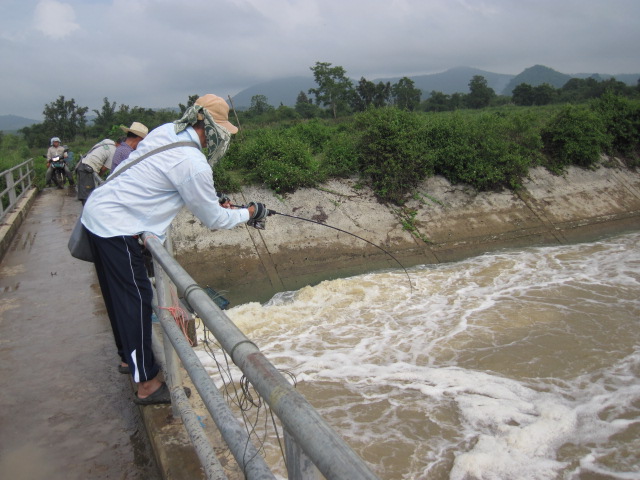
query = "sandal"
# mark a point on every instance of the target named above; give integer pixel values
(159, 397)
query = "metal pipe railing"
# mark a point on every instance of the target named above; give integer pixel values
(328, 451)
(236, 437)
(14, 185)
(213, 470)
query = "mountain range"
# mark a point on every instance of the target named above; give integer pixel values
(285, 90)
(13, 123)
(455, 80)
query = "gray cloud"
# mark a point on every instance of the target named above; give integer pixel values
(154, 53)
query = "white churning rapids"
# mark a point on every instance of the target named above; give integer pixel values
(520, 364)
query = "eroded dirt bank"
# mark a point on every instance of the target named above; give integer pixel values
(452, 222)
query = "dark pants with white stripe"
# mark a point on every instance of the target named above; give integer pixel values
(127, 294)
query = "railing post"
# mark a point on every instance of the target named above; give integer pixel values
(163, 287)
(11, 187)
(299, 465)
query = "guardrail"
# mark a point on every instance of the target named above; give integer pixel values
(15, 186)
(310, 443)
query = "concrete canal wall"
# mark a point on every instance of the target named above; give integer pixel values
(451, 222)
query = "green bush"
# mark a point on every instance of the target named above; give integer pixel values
(486, 151)
(340, 156)
(13, 151)
(575, 136)
(224, 178)
(315, 133)
(277, 159)
(621, 118)
(393, 151)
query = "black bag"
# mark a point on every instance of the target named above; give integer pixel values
(79, 246)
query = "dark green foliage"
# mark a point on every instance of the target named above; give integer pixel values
(392, 148)
(393, 151)
(405, 94)
(526, 95)
(480, 94)
(621, 119)
(224, 179)
(334, 87)
(276, 158)
(486, 151)
(341, 156)
(575, 136)
(13, 150)
(305, 107)
(314, 133)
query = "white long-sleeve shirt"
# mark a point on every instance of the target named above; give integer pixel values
(148, 196)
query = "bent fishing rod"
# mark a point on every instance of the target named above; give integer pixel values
(273, 212)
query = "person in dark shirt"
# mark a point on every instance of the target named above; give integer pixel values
(135, 133)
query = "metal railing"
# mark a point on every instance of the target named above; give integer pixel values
(16, 186)
(310, 443)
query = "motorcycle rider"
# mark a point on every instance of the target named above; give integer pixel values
(57, 150)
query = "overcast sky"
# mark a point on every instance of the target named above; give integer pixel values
(155, 53)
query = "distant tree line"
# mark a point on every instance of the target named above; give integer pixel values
(65, 119)
(335, 96)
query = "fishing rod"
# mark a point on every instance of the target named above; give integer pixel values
(273, 212)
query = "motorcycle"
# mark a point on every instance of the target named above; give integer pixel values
(57, 165)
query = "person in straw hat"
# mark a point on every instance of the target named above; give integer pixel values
(145, 196)
(135, 133)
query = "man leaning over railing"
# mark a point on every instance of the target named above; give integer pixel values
(145, 198)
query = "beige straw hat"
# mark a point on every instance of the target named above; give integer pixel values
(218, 109)
(137, 129)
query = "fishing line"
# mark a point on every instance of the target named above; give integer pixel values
(273, 212)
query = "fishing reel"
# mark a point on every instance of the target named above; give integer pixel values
(259, 218)
(259, 224)
(260, 214)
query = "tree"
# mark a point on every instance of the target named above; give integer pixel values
(334, 88)
(437, 102)
(543, 94)
(192, 99)
(523, 95)
(365, 93)
(64, 118)
(382, 94)
(105, 118)
(481, 94)
(405, 95)
(302, 98)
(305, 107)
(260, 105)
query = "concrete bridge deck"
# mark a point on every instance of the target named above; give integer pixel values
(65, 411)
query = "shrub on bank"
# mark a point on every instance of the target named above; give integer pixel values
(621, 118)
(486, 151)
(276, 159)
(340, 157)
(393, 151)
(575, 136)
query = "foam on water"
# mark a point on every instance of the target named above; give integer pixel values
(522, 364)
